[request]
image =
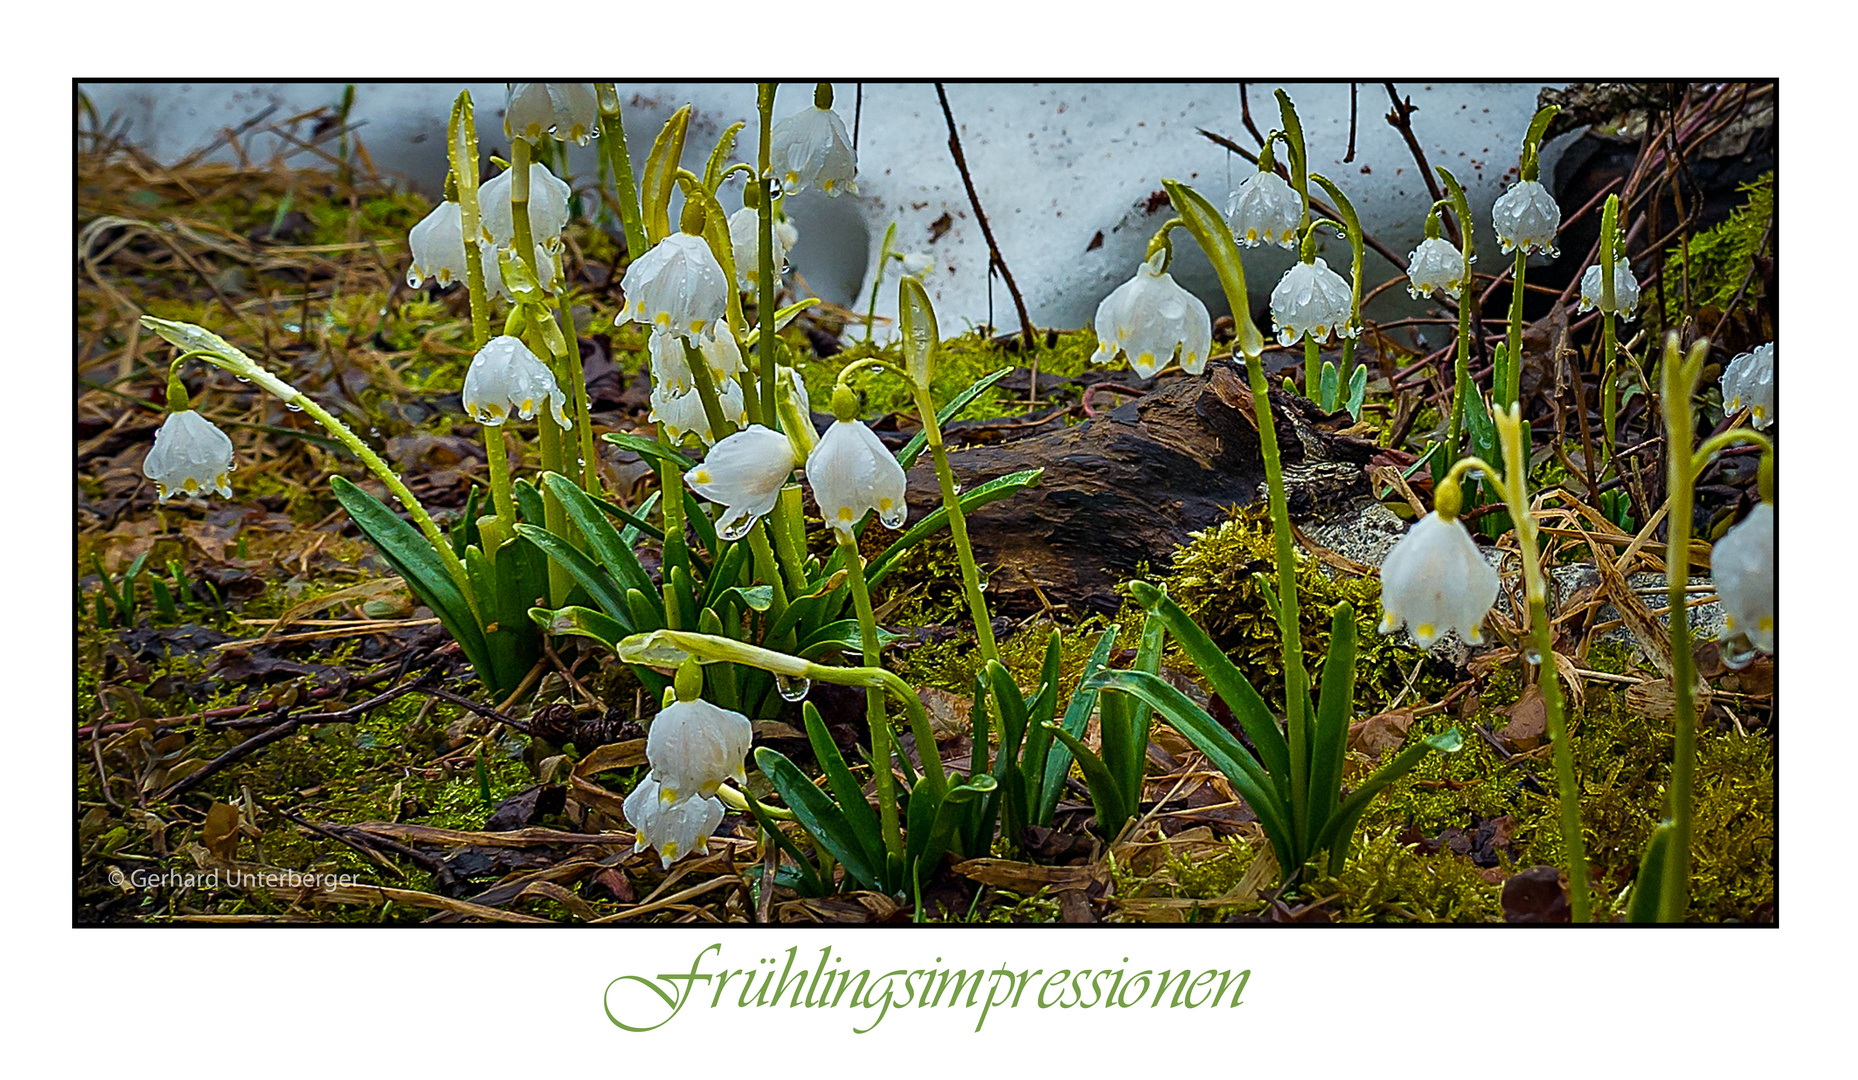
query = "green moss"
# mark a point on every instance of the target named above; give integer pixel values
(1719, 259)
(960, 363)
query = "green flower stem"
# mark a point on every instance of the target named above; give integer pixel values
(1512, 389)
(768, 569)
(957, 526)
(222, 354)
(789, 558)
(577, 388)
(721, 427)
(882, 746)
(877, 281)
(619, 162)
(1312, 365)
(524, 237)
(463, 155)
(498, 454)
(1461, 380)
(554, 516)
(1609, 303)
(764, 212)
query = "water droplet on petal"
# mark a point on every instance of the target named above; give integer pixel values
(737, 531)
(1737, 652)
(791, 688)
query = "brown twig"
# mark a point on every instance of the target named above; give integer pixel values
(1401, 118)
(993, 249)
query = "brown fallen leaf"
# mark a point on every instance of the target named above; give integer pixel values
(1536, 895)
(1657, 700)
(1528, 726)
(220, 832)
(950, 715)
(1380, 732)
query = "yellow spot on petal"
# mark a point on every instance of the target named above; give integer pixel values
(670, 850)
(1145, 360)
(191, 486)
(663, 318)
(845, 513)
(884, 505)
(1251, 236)
(1760, 414)
(1425, 630)
(1729, 623)
(1766, 624)
(701, 476)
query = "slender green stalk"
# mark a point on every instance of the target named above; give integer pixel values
(764, 211)
(1461, 381)
(498, 454)
(721, 427)
(1312, 365)
(957, 527)
(524, 237)
(881, 745)
(877, 281)
(222, 354)
(464, 179)
(1512, 388)
(619, 161)
(767, 567)
(1609, 303)
(577, 388)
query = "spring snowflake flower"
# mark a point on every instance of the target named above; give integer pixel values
(1434, 581)
(670, 366)
(745, 473)
(721, 352)
(1526, 217)
(548, 208)
(676, 286)
(439, 250)
(1434, 266)
(190, 455)
(851, 471)
(1625, 289)
(744, 244)
(504, 378)
(1311, 299)
(693, 746)
(1748, 383)
(1265, 209)
(676, 829)
(568, 111)
(810, 149)
(1742, 568)
(683, 413)
(1148, 318)
(918, 263)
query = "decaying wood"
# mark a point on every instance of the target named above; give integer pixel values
(1127, 487)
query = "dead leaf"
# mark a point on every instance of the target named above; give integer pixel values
(1381, 732)
(1536, 895)
(1528, 726)
(950, 715)
(220, 832)
(619, 755)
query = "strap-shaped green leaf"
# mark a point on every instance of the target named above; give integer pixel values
(1247, 706)
(410, 554)
(581, 622)
(915, 447)
(649, 448)
(603, 541)
(1105, 794)
(1341, 828)
(1210, 229)
(808, 872)
(589, 575)
(1039, 714)
(941, 815)
(842, 636)
(1076, 719)
(845, 787)
(1226, 753)
(646, 611)
(528, 501)
(821, 817)
(1648, 889)
(1334, 710)
(992, 491)
(661, 176)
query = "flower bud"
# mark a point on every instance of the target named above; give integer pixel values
(1434, 266)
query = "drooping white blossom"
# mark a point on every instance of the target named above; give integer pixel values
(745, 473)
(1625, 289)
(851, 472)
(568, 111)
(745, 247)
(1742, 568)
(918, 263)
(675, 829)
(1265, 210)
(811, 149)
(670, 365)
(1434, 266)
(693, 746)
(683, 413)
(1311, 299)
(439, 250)
(721, 352)
(505, 378)
(190, 456)
(1434, 581)
(548, 207)
(1526, 217)
(677, 286)
(1148, 318)
(1748, 383)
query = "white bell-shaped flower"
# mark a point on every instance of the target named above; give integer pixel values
(504, 378)
(745, 247)
(918, 263)
(811, 149)
(190, 455)
(745, 473)
(851, 471)
(693, 746)
(548, 207)
(721, 352)
(568, 111)
(786, 233)
(1265, 210)
(1434, 266)
(1748, 383)
(439, 250)
(1742, 568)
(1311, 299)
(674, 828)
(1625, 289)
(677, 286)
(1434, 581)
(670, 366)
(1148, 318)
(1526, 217)
(683, 413)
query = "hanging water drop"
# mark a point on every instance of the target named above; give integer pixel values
(737, 531)
(1532, 654)
(293, 406)
(792, 688)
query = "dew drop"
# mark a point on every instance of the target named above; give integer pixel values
(791, 688)
(737, 530)
(242, 378)
(293, 406)
(1737, 652)
(1532, 654)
